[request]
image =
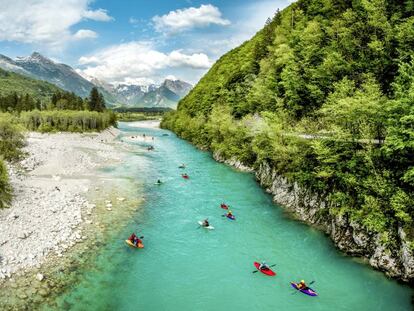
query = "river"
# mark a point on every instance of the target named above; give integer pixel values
(185, 267)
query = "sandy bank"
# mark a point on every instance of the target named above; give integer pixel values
(51, 186)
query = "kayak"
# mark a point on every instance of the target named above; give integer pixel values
(309, 291)
(209, 227)
(231, 217)
(224, 206)
(158, 183)
(140, 245)
(181, 166)
(185, 176)
(267, 272)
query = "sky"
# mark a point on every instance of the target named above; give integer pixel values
(132, 41)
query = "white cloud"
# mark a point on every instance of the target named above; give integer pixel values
(171, 77)
(138, 60)
(45, 22)
(100, 15)
(185, 19)
(85, 34)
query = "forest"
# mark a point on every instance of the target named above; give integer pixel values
(324, 94)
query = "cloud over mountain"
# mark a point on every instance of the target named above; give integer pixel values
(138, 59)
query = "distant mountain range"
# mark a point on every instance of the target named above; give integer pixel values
(42, 68)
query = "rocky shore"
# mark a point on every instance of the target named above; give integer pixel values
(348, 236)
(51, 186)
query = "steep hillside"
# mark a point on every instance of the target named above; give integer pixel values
(320, 103)
(21, 85)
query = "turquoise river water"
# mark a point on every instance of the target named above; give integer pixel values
(185, 267)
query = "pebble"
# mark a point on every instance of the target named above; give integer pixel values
(40, 277)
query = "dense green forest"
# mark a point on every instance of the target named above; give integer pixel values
(28, 104)
(11, 82)
(324, 94)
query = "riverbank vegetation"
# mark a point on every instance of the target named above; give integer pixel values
(324, 94)
(27, 104)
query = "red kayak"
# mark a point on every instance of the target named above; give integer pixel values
(224, 206)
(267, 272)
(185, 176)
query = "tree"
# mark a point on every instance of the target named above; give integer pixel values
(96, 101)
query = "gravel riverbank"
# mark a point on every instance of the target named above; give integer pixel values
(51, 187)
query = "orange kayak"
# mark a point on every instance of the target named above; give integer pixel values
(140, 245)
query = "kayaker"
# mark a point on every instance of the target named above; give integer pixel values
(302, 285)
(230, 214)
(159, 181)
(264, 266)
(206, 223)
(137, 241)
(132, 237)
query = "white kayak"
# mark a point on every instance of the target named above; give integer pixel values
(209, 227)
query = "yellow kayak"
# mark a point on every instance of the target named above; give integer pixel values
(140, 245)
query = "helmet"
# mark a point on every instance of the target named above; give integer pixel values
(302, 281)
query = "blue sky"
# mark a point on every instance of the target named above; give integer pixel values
(132, 41)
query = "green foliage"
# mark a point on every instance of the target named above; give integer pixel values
(5, 188)
(13, 83)
(67, 120)
(96, 101)
(324, 94)
(11, 139)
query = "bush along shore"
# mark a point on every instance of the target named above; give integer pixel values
(319, 104)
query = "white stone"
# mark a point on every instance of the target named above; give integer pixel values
(40, 277)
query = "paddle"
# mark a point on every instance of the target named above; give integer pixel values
(298, 290)
(258, 270)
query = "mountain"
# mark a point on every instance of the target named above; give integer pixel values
(178, 87)
(320, 103)
(165, 95)
(11, 82)
(42, 68)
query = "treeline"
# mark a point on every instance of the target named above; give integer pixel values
(58, 101)
(324, 94)
(67, 120)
